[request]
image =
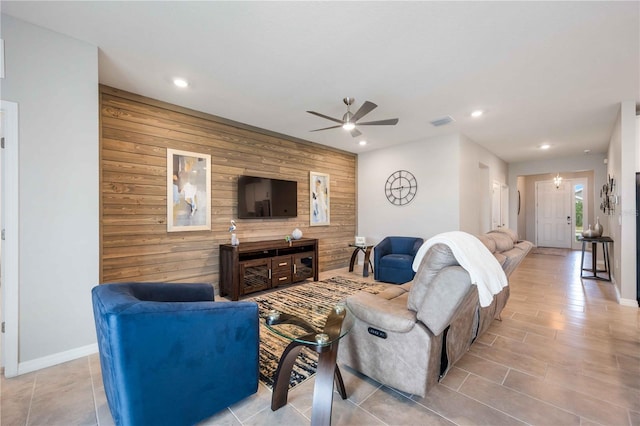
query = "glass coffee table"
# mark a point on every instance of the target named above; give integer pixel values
(302, 334)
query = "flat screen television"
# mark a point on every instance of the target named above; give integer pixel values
(265, 198)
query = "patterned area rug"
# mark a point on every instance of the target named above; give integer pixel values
(322, 295)
(550, 251)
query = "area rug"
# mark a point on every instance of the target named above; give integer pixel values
(550, 251)
(323, 295)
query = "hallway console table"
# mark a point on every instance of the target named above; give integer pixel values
(594, 257)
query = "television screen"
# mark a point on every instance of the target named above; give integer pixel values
(260, 198)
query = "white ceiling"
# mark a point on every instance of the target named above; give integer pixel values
(543, 71)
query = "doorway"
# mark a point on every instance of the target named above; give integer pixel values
(554, 214)
(499, 205)
(9, 242)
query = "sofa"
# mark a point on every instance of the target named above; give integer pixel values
(393, 257)
(408, 336)
(170, 355)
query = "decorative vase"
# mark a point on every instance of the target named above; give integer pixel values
(296, 234)
(234, 240)
(597, 228)
(588, 233)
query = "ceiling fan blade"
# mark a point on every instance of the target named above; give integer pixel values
(325, 128)
(325, 116)
(365, 109)
(390, 121)
(355, 133)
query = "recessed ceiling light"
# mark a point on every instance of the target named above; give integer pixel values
(587, 151)
(180, 82)
(362, 143)
(477, 113)
(545, 146)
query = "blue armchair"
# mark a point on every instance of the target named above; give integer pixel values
(393, 259)
(170, 355)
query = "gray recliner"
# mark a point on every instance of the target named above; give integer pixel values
(408, 336)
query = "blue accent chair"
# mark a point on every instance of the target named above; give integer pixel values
(393, 259)
(170, 355)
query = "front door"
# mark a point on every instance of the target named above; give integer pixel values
(554, 223)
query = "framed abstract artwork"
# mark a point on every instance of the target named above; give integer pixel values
(188, 191)
(320, 199)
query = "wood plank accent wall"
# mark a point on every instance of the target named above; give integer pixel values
(135, 133)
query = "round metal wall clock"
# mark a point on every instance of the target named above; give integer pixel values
(401, 187)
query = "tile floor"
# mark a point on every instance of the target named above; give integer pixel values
(565, 353)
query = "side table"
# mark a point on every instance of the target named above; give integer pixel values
(303, 334)
(594, 254)
(366, 249)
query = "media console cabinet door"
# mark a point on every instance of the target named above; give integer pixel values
(303, 266)
(255, 275)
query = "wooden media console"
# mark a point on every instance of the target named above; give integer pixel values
(261, 265)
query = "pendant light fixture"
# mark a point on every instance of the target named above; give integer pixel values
(557, 181)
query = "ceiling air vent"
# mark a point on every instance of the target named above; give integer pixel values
(442, 121)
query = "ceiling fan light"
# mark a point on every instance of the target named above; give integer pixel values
(348, 126)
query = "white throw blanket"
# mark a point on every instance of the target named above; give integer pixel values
(483, 268)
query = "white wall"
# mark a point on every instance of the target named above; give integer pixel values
(450, 188)
(434, 163)
(613, 168)
(54, 80)
(622, 223)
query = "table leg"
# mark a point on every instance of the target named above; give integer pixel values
(367, 262)
(607, 265)
(323, 388)
(594, 258)
(582, 260)
(354, 256)
(340, 383)
(283, 375)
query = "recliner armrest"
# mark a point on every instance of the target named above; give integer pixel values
(390, 315)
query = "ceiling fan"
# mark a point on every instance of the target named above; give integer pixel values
(350, 120)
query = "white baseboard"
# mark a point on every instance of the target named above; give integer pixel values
(628, 302)
(621, 300)
(55, 359)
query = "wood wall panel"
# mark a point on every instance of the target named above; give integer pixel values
(135, 133)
